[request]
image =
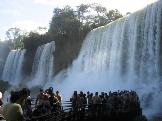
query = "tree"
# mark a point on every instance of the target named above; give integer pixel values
(81, 10)
(96, 15)
(101, 11)
(69, 27)
(12, 34)
(112, 15)
(31, 43)
(62, 20)
(14, 37)
(65, 30)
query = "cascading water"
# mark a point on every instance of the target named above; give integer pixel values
(128, 47)
(124, 54)
(4, 51)
(42, 70)
(37, 60)
(12, 72)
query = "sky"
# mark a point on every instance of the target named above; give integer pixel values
(30, 14)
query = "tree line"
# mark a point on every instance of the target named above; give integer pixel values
(68, 28)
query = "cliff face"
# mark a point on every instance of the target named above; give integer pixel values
(67, 48)
(65, 53)
(68, 29)
(65, 57)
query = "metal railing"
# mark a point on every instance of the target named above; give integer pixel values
(83, 112)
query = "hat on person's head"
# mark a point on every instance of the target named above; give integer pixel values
(0, 95)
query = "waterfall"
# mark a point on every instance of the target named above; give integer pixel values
(37, 60)
(4, 51)
(124, 54)
(42, 70)
(12, 72)
(127, 48)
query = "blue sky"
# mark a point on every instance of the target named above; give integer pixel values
(29, 14)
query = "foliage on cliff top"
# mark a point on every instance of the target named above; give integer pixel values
(68, 28)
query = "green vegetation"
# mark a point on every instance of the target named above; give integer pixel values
(31, 43)
(68, 29)
(140, 118)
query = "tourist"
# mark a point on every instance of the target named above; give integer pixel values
(113, 105)
(39, 99)
(90, 101)
(75, 101)
(27, 109)
(53, 100)
(96, 100)
(26, 103)
(58, 96)
(46, 108)
(1, 103)
(13, 111)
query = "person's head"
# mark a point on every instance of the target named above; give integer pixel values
(15, 96)
(84, 95)
(57, 92)
(24, 93)
(41, 91)
(88, 93)
(102, 93)
(91, 94)
(50, 90)
(96, 93)
(75, 93)
(81, 93)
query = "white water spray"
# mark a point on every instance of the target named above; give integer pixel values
(4, 51)
(12, 72)
(121, 55)
(42, 70)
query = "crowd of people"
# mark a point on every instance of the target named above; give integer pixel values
(113, 104)
(22, 106)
